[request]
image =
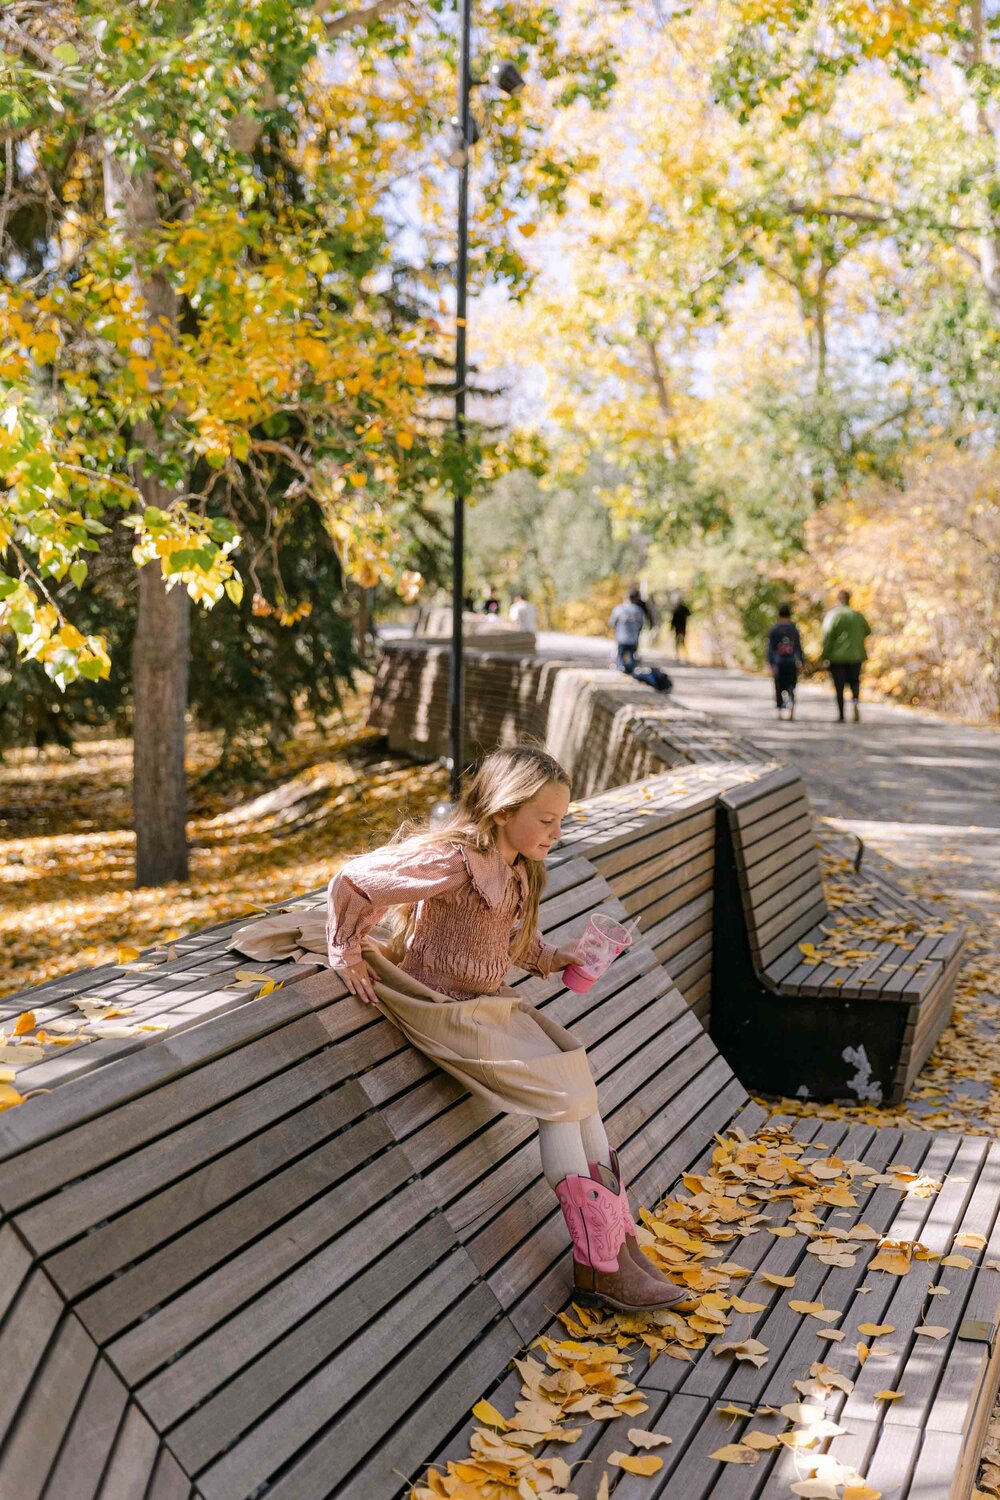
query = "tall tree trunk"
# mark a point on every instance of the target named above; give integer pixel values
(159, 687)
(160, 651)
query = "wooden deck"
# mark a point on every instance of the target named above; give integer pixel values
(270, 1251)
(277, 1253)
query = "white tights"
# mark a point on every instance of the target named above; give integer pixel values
(568, 1147)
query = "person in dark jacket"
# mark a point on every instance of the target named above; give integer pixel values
(784, 657)
(679, 616)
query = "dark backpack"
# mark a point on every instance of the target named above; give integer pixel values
(655, 678)
(785, 646)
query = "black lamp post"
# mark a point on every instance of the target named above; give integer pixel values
(455, 681)
(505, 77)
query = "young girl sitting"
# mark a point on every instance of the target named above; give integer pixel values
(463, 905)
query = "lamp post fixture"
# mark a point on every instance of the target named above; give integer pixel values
(504, 76)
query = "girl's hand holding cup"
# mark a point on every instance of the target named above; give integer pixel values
(595, 952)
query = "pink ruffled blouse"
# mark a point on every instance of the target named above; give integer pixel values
(469, 904)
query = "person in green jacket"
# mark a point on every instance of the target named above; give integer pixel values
(844, 633)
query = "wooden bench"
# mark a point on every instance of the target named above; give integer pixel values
(278, 1254)
(825, 1005)
(280, 1249)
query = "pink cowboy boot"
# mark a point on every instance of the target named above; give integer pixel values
(603, 1271)
(612, 1178)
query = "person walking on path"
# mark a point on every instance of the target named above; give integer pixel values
(491, 604)
(523, 614)
(845, 631)
(627, 620)
(679, 616)
(784, 657)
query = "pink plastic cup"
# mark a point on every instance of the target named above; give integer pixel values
(597, 950)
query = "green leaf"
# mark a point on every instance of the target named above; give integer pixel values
(234, 589)
(66, 53)
(93, 670)
(78, 572)
(20, 621)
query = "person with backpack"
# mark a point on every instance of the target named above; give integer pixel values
(784, 657)
(845, 631)
(627, 620)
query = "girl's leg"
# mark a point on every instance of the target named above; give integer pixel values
(595, 1140)
(608, 1264)
(563, 1151)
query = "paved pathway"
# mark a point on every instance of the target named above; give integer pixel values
(921, 789)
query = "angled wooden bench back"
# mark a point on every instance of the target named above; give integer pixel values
(654, 843)
(279, 1253)
(775, 845)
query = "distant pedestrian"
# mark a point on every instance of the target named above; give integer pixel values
(845, 631)
(784, 657)
(679, 616)
(468, 604)
(523, 614)
(627, 620)
(491, 604)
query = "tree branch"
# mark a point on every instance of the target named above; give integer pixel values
(26, 43)
(361, 17)
(886, 221)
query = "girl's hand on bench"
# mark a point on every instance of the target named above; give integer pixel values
(360, 981)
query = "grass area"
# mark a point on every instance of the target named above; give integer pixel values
(67, 848)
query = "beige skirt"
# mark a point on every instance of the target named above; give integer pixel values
(502, 1050)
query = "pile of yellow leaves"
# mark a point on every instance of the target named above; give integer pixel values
(585, 1380)
(577, 1382)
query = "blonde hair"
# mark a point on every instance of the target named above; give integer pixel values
(504, 782)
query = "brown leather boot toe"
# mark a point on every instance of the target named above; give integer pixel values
(680, 1299)
(628, 1289)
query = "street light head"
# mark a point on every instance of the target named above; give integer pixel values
(505, 77)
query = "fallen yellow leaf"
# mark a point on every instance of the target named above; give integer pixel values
(888, 1396)
(637, 1463)
(757, 1439)
(736, 1453)
(875, 1330)
(21, 1053)
(742, 1305)
(25, 1022)
(640, 1438)
(484, 1412)
(815, 1310)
